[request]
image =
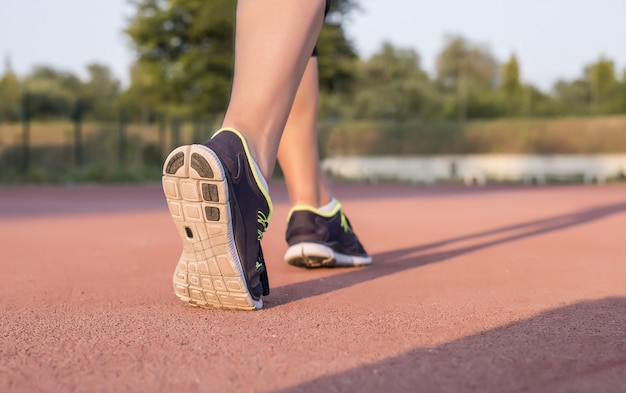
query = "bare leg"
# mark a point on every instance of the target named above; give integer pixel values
(318, 232)
(274, 40)
(298, 150)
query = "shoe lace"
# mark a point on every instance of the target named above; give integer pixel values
(345, 224)
(263, 222)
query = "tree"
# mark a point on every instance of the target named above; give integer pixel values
(142, 98)
(511, 86)
(621, 94)
(337, 60)
(187, 47)
(394, 86)
(471, 73)
(100, 92)
(461, 59)
(602, 82)
(573, 96)
(10, 94)
(340, 9)
(541, 104)
(337, 55)
(52, 93)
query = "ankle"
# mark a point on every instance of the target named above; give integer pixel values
(265, 168)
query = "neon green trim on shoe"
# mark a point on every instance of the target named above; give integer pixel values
(255, 173)
(314, 210)
(344, 223)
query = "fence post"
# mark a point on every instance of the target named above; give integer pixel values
(175, 132)
(122, 137)
(197, 129)
(26, 115)
(162, 127)
(77, 117)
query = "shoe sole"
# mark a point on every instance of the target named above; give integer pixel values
(209, 273)
(313, 255)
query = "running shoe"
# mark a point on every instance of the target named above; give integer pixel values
(318, 239)
(221, 209)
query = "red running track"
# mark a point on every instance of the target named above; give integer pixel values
(496, 289)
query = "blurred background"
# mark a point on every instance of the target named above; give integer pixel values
(103, 90)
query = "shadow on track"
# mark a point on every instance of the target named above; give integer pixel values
(391, 262)
(577, 348)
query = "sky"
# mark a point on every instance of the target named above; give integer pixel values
(552, 39)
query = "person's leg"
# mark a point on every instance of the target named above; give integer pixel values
(216, 194)
(298, 150)
(274, 40)
(318, 232)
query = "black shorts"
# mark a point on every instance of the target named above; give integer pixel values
(325, 13)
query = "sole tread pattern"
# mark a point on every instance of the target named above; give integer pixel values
(313, 255)
(208, 273)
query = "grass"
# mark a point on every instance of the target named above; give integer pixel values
(588, 135)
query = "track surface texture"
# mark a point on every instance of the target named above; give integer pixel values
(494, 289)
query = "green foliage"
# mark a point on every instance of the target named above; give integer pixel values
(385, 104)
(184, 66)
(51, 93)
(461, 59)
(10, 95)
(603, 86)
(393, 86)
(48, 93)
(597, 91)
(573, 96)
(512, 87)
(601, 77)
(484, 103)
(337, 57)
(99, 93)
(186, 49)
(185, 56)
(142, 98)
(339, 9)
(468, 72)
(337, 60)
(540, 104)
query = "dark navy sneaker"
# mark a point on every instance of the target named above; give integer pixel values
(221, 209)
(317, 239)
